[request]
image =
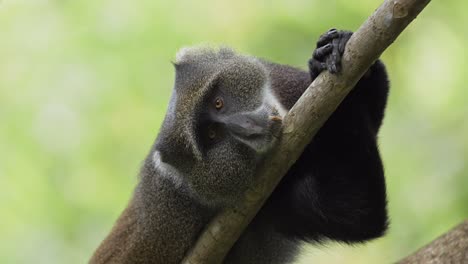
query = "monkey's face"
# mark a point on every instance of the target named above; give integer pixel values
(220, 123)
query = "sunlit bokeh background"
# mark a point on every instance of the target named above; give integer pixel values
(84, 87)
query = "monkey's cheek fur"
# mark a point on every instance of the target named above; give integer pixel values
(222, 180)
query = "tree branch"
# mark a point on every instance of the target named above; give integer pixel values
(451, 247)
(303, 121)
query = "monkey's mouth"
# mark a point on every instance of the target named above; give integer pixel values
(257, 129)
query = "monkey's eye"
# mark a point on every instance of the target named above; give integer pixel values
(218, 103)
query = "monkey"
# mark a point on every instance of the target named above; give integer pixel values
(223, 117)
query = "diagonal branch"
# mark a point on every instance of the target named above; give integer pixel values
(451, 247)
(302, 122)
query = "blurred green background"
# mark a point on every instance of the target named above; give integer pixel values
(84, 86)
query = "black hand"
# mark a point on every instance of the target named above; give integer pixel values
(327, 55)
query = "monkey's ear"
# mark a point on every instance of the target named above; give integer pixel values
(183, 67)
(175, 64)
(179, 67)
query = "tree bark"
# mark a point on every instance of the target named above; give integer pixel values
(452, 247)
(303, 121)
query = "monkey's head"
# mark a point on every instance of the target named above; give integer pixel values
(221, 121)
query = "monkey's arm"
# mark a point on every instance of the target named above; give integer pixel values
(336, 189)
(370, 92)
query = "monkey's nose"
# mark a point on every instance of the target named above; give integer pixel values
(247, 125)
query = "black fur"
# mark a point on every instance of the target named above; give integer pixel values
(336, 189)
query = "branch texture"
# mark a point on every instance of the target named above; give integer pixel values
(303, 121)
(451, 247)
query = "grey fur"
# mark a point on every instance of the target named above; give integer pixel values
(183, 182)
(217, 175)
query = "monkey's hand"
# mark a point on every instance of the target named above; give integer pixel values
(328, 53)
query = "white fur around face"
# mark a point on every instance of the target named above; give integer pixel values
(166, 170)
(270, 99)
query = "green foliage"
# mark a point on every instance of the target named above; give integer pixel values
(84, 86)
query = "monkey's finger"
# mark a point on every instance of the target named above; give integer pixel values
(327, 37)
(344, 37)
(320, 53)
(334, 60)
(316, 67)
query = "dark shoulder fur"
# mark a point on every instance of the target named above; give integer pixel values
(336, 189)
